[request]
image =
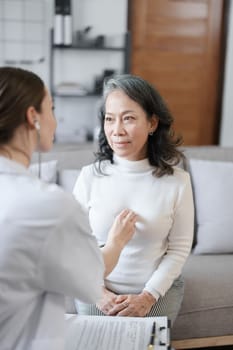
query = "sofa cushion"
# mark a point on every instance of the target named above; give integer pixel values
(207, 308)
(213, 195)
(70, 305)
(67, 178)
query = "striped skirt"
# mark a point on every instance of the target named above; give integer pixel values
(168, 305)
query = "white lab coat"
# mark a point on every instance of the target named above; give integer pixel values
(46, 252)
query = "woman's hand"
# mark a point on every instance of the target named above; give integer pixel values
(120, 233)
(107, 302)
(123, 228)
(133, 305)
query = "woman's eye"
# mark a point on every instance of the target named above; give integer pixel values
(128, 117)
(108, 119)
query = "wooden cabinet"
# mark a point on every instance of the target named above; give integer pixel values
(177, 45)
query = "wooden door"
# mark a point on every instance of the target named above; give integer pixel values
(176, 45)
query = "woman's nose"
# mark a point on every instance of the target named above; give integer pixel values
(118, 128)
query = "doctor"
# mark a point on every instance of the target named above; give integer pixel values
(46, 247)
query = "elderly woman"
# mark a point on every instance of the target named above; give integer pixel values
(136, 168)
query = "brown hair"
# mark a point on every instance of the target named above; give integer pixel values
(19, 89)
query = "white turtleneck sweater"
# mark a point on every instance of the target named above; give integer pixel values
(154, 257)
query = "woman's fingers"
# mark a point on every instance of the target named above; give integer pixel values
(128, 214)
(123, 227)
(131, 216)
(123, 213)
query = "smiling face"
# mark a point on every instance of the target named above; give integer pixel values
(127, 126)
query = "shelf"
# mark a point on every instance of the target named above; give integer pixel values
(123, 48)
(93, 48)
(89, 94)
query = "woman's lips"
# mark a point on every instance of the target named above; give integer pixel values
(121, 143)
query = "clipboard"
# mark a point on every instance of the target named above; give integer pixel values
(115, 333)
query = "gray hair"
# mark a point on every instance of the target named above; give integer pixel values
(162, 149)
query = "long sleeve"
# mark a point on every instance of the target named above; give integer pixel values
(179, 243)
(71, 262)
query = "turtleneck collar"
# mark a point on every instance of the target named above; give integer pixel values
(132, 166)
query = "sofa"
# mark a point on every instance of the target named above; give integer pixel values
(206, 315)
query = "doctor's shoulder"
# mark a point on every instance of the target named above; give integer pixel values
(47, 201)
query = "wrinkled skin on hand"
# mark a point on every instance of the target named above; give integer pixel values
(134, 305)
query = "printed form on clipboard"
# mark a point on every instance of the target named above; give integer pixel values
(117, 333)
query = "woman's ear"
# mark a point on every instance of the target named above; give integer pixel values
(31, 117)
(154, 120)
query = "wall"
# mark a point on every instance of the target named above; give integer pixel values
(24, 27)
(75, 116)
(106, 16)
(226, 134)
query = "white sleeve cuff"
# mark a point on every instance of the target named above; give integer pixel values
(153, 292)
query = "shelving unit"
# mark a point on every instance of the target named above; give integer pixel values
(77, 113)
(125, 49)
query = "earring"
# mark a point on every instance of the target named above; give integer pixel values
(37, 125)
(151, 133)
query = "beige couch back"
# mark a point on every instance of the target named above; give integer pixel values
(75, 156)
